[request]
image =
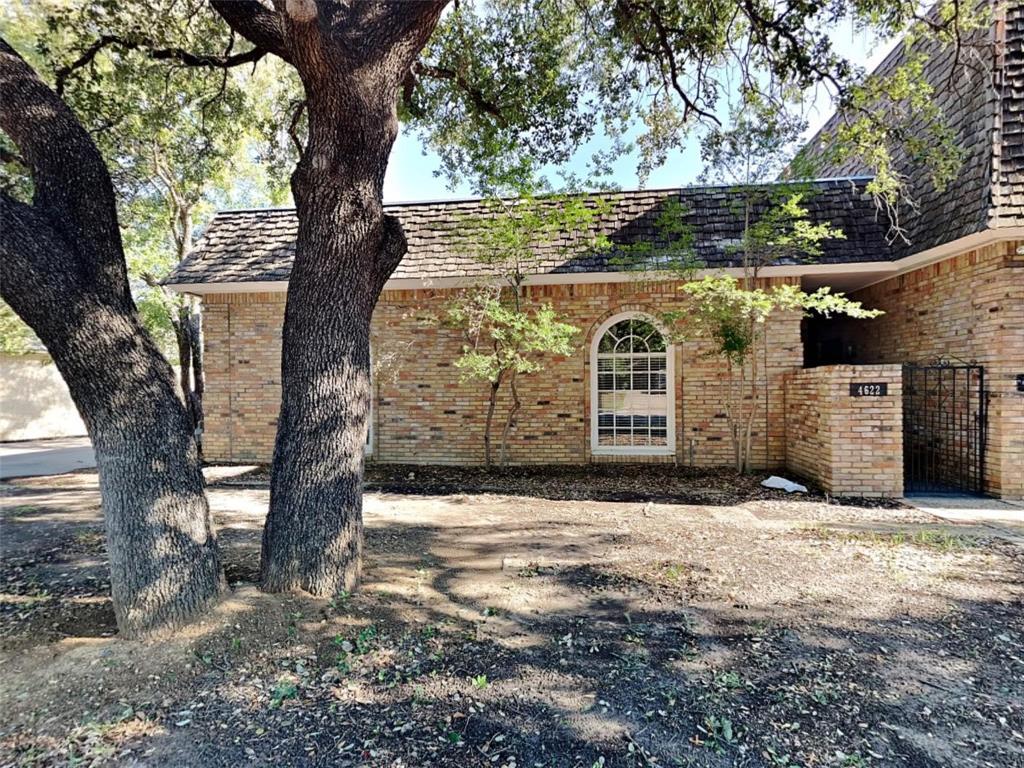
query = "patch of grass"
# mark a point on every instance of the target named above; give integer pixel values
(674, 572)
(529, 571)
(284, 690)
(943, 540)
(89, 538)
(342, 663)
(926, 538)
(293, 624)
(852, 761)
(96, 743)
(365, 639)
(719, 733)
(22, 509)
(480, 682)
(729, 681)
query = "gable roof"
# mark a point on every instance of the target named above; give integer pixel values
(259, 245)
(982, 103)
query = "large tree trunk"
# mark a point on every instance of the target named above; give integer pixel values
(313, 536)
(352, 59)
(63, 271)
(164, 561)
(345, 250)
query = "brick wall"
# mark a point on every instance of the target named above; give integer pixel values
(424, 414)
(968, 308)
(850, 446)
(242, 349)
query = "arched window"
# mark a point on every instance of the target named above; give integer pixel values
(632, 409)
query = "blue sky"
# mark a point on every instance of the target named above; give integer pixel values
(410, 174)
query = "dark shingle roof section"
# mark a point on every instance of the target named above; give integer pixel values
(968, 102)
(259, 245)
(1008, 195)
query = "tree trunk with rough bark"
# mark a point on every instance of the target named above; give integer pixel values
(190, 365)
(510, 418)
(63, 272)
(187, 323)
(198, 372)
(352, 59)
(492, 404)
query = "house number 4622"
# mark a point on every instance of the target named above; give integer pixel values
(869, 389)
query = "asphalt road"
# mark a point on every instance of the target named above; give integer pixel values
(32, 458)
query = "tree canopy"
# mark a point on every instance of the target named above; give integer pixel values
(181, 138)
(184, 108)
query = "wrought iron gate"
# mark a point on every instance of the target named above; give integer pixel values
(944, 419)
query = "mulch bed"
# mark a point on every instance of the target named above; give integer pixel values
(658, 483)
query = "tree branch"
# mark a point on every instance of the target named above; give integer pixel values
(258, 24)
(407, 26)
(32, 253)
(73, 189)
(661, 54)
(186, 58)
(305, 30)
(481, 102)
(293, 126)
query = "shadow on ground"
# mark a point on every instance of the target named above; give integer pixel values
(506, 631)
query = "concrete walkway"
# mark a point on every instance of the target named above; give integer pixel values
(32, 458)
(1004, 517)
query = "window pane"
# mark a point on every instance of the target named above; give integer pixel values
(641, 328)
(632, 402)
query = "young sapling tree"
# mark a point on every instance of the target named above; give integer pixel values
(734, 313)
(506, 334)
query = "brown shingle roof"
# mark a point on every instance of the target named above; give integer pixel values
(983, 105)
(259, 245)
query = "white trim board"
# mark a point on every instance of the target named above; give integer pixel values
(873, 271)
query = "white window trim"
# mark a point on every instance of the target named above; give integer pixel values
(670, 394)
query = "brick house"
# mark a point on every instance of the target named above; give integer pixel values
(954, 294)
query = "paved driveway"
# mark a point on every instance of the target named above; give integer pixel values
(32, 458)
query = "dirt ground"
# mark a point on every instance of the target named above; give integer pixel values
(743, 628)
